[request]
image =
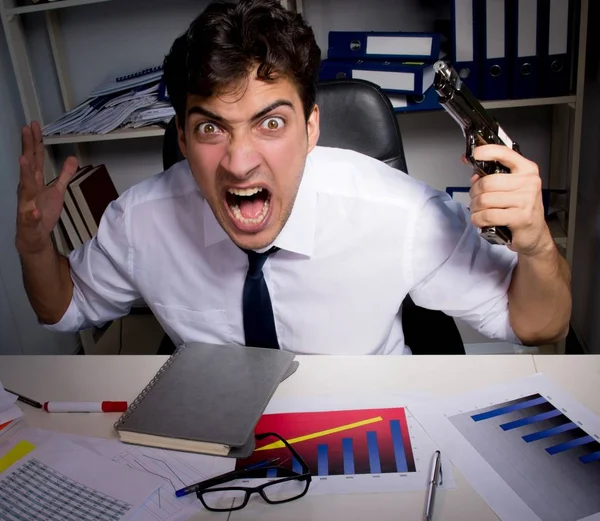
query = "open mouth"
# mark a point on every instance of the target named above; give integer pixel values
(249, 206)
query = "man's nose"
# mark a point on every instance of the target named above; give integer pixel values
(241, 158)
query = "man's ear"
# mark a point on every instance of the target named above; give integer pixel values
(312, 128)
(180, 137)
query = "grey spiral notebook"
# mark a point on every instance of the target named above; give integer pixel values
(206, 398)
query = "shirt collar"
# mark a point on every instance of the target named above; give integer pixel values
(298, 233)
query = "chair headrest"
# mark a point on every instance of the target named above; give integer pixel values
(357, 115)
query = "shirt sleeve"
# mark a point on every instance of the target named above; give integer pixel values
(102, 274)
(458, 272)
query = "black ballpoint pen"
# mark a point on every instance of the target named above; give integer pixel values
(24, 399)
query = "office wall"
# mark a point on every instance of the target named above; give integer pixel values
(586, 262)
(19, 332)
(127, 36)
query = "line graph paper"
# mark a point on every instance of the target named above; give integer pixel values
(178, 469)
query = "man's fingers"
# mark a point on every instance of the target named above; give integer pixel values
(493, 217)
(27, 148)
(490, 200)
(505, 155)
(38, 144)
(69, 168)
(496, 183)
(28, 188)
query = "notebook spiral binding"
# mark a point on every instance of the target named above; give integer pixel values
(140, 73)
(133, 406)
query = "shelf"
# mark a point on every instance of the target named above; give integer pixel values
(505, 104)
(533, 102)
(128, 133)
(58, 4)
(154, 131)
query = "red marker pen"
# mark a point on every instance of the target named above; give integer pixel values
(85, 406)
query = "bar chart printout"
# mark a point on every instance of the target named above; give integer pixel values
(339, 443)
(544, 456)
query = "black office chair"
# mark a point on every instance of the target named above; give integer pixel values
(357, 115)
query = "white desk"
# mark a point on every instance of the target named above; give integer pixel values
(123, 377)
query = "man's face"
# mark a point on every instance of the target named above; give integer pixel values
(247, 149)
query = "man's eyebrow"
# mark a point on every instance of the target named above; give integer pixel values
(197, 109)
(272, 106)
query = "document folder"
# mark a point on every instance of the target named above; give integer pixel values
(465, 46)
(393, 77)
(412, 102)
(383, 45)
(495, 70)
(523, 27)
(555, 21)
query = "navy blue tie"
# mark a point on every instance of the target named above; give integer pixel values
(259, 323)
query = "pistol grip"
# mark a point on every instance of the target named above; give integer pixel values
(483, 168)
(493, 234)
(497, 235)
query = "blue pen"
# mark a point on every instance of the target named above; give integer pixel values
(222, 478)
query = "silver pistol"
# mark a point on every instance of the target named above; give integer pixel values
(478, 127)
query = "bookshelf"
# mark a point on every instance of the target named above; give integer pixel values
(150, 131)
(566, 110)
(58, 4)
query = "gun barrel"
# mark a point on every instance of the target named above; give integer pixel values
(460, 103)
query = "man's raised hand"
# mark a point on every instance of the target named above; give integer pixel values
(39, 206)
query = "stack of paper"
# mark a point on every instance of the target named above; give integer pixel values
(129, 102)
(9, 412)
(59, 471)
(159, 112)
(121, 463)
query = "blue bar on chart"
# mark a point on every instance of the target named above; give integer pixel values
(588, 458)
(569, 445)
(530, 419)
(373, 446)
(549, 432)
(296, 467)
(322, 460)
(510, 408)
(348, 456)
(401, 465)
(272, 473)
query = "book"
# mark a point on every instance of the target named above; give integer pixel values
(88, 194)
(92, 192)
(206, 398)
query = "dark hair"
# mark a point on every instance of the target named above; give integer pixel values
(226, 41)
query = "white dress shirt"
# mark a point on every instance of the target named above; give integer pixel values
(361, 236)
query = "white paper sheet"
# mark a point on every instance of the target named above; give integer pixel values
(512, 458)
(7, 400)
(174, 466)
(177, 469)
(67, 482)
(8, 410)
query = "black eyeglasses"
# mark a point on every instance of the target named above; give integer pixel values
(293, 485)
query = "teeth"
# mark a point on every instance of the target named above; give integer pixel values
(244, 192)
(238, 215)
